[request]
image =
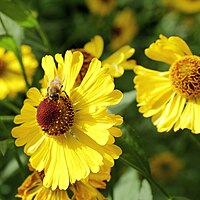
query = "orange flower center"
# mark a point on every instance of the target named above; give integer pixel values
(55, 117)
(2, 67)
(185, 76)
(86, 62)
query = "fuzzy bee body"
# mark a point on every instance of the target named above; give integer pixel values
(55, 89)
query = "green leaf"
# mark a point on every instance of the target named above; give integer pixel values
(8, 43)
(127, 99)
(133, 153)
(131, 182)
(129, 187)
(10, 27)
(145, 191)
(5, 145)
(17, 11)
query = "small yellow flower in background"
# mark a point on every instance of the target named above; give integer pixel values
(68, 132)
(186, 6)
(124, 29)
(11, 77)
(172, 97)
(101, 7)
(87, 189)
(165, 166)
(117, 62)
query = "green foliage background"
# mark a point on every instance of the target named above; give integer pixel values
(53, 27)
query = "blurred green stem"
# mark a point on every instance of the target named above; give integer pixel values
(44, 39)
(23, 69)
(6, 118)
(21, 167)
(10, 106)
(4, 130)
(159, 187)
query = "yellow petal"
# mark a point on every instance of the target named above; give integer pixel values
(65, 160)
(186, 119)
(168, 50)
(34, 96)
(72, 65)
(49, 67)
(170, 113)
(28, 113)
(196, 128)
(95, 46)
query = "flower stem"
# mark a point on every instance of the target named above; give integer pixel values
(21, 167)
(10, 106)
(159, 187)
(44, 39)
(23, 70)
(6, 118)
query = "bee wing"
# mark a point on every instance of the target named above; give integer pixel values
(49, 67)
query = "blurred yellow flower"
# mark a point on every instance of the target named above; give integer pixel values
(100, 7)
(186, 6)
(11, 77)
(67, 131)
(165, 166)
(117, 62)
(87, 189)
(171, 97)
(124, 28)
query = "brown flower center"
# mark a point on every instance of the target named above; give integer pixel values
(165, 167)
(86, 62)
(116, 31)
(55, 117)
(185, 76)
(2, 67)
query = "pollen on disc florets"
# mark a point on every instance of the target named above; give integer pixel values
(185, 76)
(86, 62)
(55, 117)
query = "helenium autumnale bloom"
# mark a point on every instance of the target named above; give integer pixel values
(171, 98)
(66, 130)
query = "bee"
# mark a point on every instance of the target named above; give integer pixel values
(55, 89)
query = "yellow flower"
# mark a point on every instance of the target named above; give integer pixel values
(68, 132)
(86, 189)
(124, 28)
(101, 7)
(11, 78)
(117, 62)
(186, 6)
(171, 97)
(165, 166)
(32, 188)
